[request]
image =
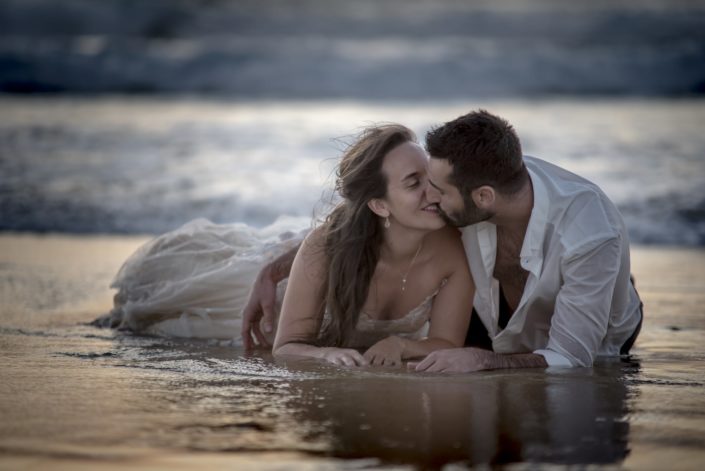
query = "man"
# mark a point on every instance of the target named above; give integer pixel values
(548, 252)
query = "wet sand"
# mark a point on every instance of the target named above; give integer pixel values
(77, 397)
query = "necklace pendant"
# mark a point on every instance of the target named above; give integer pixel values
(403, 278)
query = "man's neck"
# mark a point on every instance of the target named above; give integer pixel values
(515, 211)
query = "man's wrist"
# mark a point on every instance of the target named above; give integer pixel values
(518, 360)
(495, 361)
(280, 267)
(402, 343)
(272, 272)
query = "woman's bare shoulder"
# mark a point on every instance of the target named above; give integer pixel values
(316, 238)
(311, 257)
(448, 237)
(447, 245)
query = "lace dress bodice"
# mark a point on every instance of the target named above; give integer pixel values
(413, 325)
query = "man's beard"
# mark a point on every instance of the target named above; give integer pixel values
(470, 214)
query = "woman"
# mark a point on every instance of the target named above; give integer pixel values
(382, 273)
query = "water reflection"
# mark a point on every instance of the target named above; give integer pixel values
(213, 399)
(577, 416)
(183, 396)
(222, 401)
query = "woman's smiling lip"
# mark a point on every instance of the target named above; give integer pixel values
(431, 208)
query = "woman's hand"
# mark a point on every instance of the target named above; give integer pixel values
(343, 356)
(387, 352)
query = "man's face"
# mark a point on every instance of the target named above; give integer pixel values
(457, 209)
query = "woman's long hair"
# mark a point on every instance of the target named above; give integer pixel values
(352, 232)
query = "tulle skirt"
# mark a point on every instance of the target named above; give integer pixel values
(194, 281)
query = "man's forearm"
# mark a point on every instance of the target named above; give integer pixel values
(280, 267)
(469, 359)
(518, 360)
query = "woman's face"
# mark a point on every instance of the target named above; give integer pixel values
(406, 168)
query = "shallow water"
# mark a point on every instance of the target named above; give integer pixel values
(77, 396)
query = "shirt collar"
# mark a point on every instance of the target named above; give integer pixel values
(487, 239)
(532, 248)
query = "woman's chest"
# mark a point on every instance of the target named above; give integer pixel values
(390, 298)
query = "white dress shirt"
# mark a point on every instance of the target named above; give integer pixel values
(578, 301)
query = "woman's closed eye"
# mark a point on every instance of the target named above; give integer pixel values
(416, 182)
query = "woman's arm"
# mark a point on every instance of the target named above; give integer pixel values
(450, 314)
(304, 305)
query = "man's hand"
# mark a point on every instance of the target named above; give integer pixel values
(263, 298)
(260, 307)
(467, 360)
(386, 352)
(456, 360)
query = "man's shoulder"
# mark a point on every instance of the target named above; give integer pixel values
(562, 188)
(576, 209)
(556, 174)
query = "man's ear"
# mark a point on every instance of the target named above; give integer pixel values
(483, 196)
(378, 207)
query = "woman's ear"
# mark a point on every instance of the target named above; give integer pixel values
(483, 196)
(379, 207)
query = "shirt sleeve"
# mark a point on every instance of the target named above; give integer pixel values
(581, 315)
(553, 358)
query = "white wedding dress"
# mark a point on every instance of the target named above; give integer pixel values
(194, 282)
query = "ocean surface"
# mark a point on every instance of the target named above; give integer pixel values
(123, 116)
(145, 165)
(379, 49)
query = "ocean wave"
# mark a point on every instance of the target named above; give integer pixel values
(368, 49)
(144, 166)
(671, 219)
(666, 220)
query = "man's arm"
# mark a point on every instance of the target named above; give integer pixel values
(260, 305)
(578, 326)
(582, 310)
(467, 360)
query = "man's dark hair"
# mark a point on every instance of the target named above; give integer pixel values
(483, 149)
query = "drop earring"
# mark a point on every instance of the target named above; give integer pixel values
(386, 223)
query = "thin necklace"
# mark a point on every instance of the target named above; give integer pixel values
(403, 278)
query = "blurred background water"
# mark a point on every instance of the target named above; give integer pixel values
(125, 116)
(362, 49)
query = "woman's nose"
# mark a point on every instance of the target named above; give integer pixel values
(432, 195)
